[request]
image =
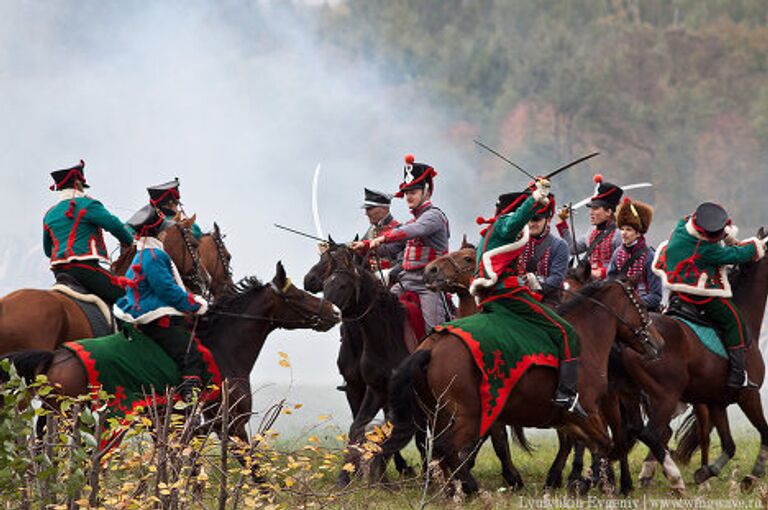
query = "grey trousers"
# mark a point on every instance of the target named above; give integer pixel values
(432, 303)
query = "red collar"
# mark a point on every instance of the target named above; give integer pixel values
(420, 209)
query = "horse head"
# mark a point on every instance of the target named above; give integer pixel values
(293, 308)
(216, 259)
(348, 275)
(183, 248)
(452, 272)
(321, 271)
(578, 276)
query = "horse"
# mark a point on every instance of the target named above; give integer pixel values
(452, 273)
(234, 330)
(375, 334)
(216, 260)
(44, 319)
(443, 366)
(689, 372)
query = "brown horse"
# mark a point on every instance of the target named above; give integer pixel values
(216, 260)
(234, 330)
(444, 366)
(43, 319)
(689, 372)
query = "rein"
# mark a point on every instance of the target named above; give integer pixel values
(196, 278)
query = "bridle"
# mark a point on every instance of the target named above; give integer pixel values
(221, 251)
(196, 278)
(314, 320)
(457, 271)
(353, 273)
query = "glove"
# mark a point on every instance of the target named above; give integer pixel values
(532, 282)
(203, 305)
(564, 213)
(541, 193)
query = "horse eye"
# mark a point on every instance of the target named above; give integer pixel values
(468, 259)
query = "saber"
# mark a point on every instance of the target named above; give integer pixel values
(481, 144)
(628, 187)
(299, 232)
(569, 165)
(315, 206)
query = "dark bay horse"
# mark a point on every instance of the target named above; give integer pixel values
(443, 366)
(689, 372)
(234, 330)
(43, 319)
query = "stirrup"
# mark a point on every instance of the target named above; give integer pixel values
(571, 405)
(746, 385)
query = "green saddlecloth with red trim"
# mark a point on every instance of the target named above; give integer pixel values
(503, 345)
(129, 365)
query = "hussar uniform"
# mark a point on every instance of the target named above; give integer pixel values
(496, 282)
(422, 239)
(156, 299)
(693, 264)
(604, 238)
(544, 258)
(73, 235)
(165, 196)
(636, 260)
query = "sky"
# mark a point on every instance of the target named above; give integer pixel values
(234, 98)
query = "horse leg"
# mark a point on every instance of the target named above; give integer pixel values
(577, 484)
(555, 474)
(500, 442)
(719, 417)
(372, 404)
(462, 449)
(656, 436)
(750, 403)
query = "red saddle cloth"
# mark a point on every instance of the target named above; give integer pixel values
(412, 304)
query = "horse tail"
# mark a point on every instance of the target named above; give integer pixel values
(405, 412)
(28, 364)
(687, 437)
(518, 437)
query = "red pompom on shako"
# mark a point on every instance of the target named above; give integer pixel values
(598, 178)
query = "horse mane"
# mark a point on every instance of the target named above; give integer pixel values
(584, 293)
(234, 300)
(388, 314)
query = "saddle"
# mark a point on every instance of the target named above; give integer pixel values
(94, 308)
(412, 304)
(710, 335)
(680, 308)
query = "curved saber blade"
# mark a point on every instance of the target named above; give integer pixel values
(628, 187)
(569, 165)
(481, 144)
(315, 206)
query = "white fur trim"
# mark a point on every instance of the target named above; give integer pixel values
(147, 317)
(88, 298)
(759, 246)
(732, 231)
(203, 304)
(695, 233)
(143, 243)
(69, 194)
(474, 288)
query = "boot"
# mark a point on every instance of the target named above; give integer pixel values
(566, 395)
(186, 390)
(737, 375)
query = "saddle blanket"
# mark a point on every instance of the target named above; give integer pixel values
(129, 365)
(504, 345)
(707, 336)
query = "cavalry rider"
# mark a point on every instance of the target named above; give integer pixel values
(73, 237)
(166, 198)
(156, 300)
(604, 238)
(544, 259)
(693, 265)
(634, 258)
(376, 207)
(425, 237)
(496, 280)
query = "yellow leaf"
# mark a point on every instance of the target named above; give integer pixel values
(313, 439)
(348, 467)
(284, 363)
(287, 411)
(289, 482)
(323, 417)
(298, 406)
(282, 354)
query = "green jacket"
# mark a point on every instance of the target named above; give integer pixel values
(692, 264)
(72, 229)
(498, 250)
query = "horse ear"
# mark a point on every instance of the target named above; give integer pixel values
(216, 228)
(331, 241)
(192, 219)
(464, 243)
(761, 233)
(357, 238)
(280, 275)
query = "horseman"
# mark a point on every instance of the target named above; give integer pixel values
(544, 259)
(634, 258)
(166, 198)
(604, 238)
(73, 237)
(496, 282)
(156, 300)
(425, 238)
(376, 207)
(693, 267)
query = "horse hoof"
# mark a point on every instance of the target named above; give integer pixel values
(702, 475)
(515, 485)
(748, 483)
(606, 488)
(577, 488)
(678, 492)
(646, 482)
(408, 472)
